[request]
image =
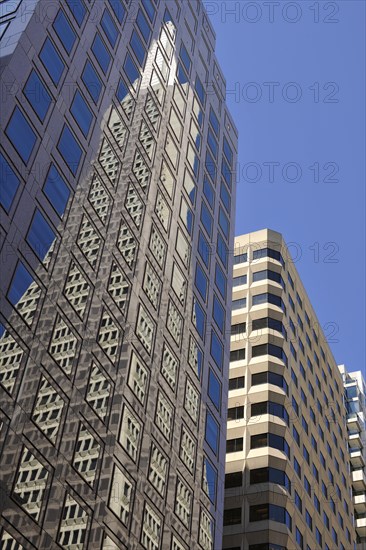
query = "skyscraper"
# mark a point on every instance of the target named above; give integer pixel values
(117, 216)
(355, 396)
(288, 482)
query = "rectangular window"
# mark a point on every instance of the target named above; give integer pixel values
(36, 93)
(70, 149)
(239, 281)
(101, 53)
(239, 304)
(204, 249)
(234, 445)
(81, 113)
(236, 383)
(200, 90)
(64, 31)
(21, 134)
(92, 81)
(237, 355)
(9, 183)
(109, 28)
(52, 61)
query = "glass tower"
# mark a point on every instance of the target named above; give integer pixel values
(117, 214)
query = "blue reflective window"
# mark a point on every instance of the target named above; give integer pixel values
(201, 281)
(131, 71)
(203, 249)
(199, 319)
(150, 9)
(218, 313)
(208, 191)
(225, 196)
(20, 283)
(226, 172)
(20, 133)
(52, 61)
(209, 480)
(212, 143)
(122, 91)
(227, 151)
(222, 249)
(56, 190)
(101, 53)
(40, 235)
(200, 90)
(214, 389)
(77, 9)
(206, 218)
(220, 280)
(212, 432)
(186, 60)
(143, 25)
(70, 149)
(214, 122)
(64, 31)
(224, 223)
(92, 81)
(210, 166)
(109, 28)
(181, 75)
(186, 215)
(217, 350)
(81, 113)
(9, 183)
(138, 48)
(118, 9)
(36, 93)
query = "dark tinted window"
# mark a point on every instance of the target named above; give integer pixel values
(77, 9)
(52, 61)
(70, 149)
(101, 53)
(64, 31)
(81, 112)
(36, 93)
(92, 81)
(109, 28)
(56, 190)
(21, 134)
(235, 479)
(9, 183)
(143, 25)
(118, 9)
(40, 235)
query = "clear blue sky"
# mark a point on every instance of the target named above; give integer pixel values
(297, 93)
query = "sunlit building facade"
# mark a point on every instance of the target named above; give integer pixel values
(117, 218)
(355, 397)
(288, 482)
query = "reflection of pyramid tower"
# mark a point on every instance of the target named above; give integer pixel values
(104, 358)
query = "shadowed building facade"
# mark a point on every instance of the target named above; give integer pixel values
(288, 481)
(117, 218)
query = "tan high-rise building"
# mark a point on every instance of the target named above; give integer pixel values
(288, 482)
(355, 395)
